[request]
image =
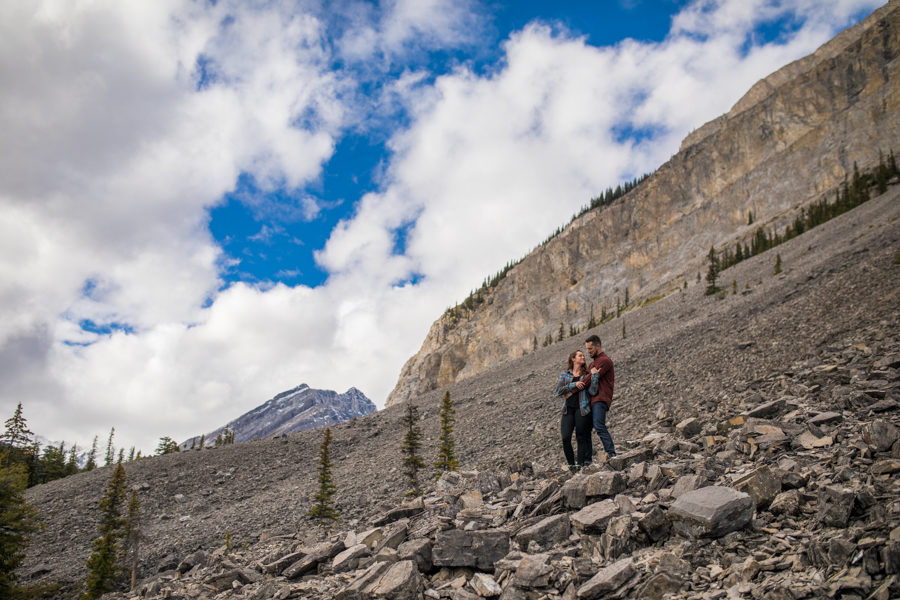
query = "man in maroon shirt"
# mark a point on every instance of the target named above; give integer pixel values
(601, 391)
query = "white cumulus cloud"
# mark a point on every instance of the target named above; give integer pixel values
(125, 122)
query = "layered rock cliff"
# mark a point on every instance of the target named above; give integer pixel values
(793, 138)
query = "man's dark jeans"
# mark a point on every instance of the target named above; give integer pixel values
(573, 421)
(598, 411)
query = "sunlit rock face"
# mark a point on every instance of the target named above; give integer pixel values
(792, 139)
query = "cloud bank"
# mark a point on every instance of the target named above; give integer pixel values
(126, 122)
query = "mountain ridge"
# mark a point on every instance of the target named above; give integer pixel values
(773, 154)
(290, 411)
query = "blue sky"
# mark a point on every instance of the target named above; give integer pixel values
(270, 241)
(203, 204)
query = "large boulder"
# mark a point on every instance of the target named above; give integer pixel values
(711, 512)
(604, 484)
(594, 517)
(348, 559)
(545, 532)
(479, 548)
(397, 581)
(418, 551)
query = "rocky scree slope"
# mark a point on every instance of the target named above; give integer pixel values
(790, 141)
(822, 337)
(294, 410)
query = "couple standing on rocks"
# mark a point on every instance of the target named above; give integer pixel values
(588, 392)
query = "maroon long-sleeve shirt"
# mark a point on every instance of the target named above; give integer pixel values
(602, 383)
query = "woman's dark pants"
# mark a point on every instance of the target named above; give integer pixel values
(581, 425)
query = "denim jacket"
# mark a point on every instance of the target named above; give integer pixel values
(564, 388)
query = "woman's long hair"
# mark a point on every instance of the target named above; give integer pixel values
(572, 362)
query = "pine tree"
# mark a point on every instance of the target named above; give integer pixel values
(412, 442)
(202, 441)
(446, 453)
(110, 449)
(132, 537)
(324, 509)
(121, 458)
(17, 437)
(623, 329)
(534, 344)
(166, 446)
(561, 335)
(103, 564)
(72, 460)
(777, 268)
(53, 464)
(91, 463)
(749, 217)
(18, 520)
(592, 322)
(131, 454)
(712, 273)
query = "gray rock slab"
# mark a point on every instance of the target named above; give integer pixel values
(689, 427)
(545, 532)
(881, 435)
(393, 535)
(762, 485)
(533, 571)
(655, 524)
(835, 505)
(626, 459)
(604, 484)
(785, 503)
(685, 484)
(767, 409)
(573, 491)
(359, 587)
(277, 566)
(402, 581)
(348, 559)
(607, 580)
(478, 548)
(417, 550)
(887, 466)
(711, 512)
(826, 418)
(594, 517)
(401, 512)
(485, 585)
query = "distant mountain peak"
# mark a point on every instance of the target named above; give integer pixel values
(297, 409)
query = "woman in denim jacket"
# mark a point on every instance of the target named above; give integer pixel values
(576, 411)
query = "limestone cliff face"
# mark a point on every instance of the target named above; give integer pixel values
(791, 139)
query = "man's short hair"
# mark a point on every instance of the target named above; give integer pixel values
(594, 339)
